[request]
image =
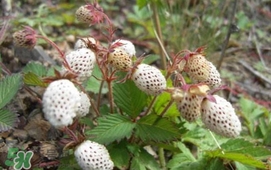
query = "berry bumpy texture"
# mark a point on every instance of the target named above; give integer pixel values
(83, 109)
(149, 79)
(188, 105)
(25, 38)
(220, 117)
(60, 102)
(120, 59)
(81, 62)
(89, 14)
(201, 70)
(126, 45)
(93, 156)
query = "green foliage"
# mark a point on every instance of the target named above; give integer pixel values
(243, 152)
(112, 127)
(252, 113)
(129, 98)
(7, 120)
(9, 86)
(93, 84)
(120, 154)
(33, 73)
(68, 162)
(36, 68)
(141, 159)
(156, 128)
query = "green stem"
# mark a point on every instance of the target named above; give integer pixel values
(150, 106)
(159, 32)
(166, 108)
(162, 159)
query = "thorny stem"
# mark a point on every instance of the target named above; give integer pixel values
(228, 34)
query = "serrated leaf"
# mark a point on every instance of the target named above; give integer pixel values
(33, 80)
(36, 68)
(120, 155)
(143, 160)
(245, 147)
(7, 120)
(156, 128)
(185, 151)
(9, 86)
(239, 157)
(112, 127)
(129, 98)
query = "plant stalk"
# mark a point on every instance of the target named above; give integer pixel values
(225, 45)
(157, 25)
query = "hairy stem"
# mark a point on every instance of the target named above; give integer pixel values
(111, 100)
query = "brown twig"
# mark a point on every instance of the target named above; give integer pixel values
(228, 34)
(255, 72)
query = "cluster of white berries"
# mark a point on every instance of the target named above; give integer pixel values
(62, 101)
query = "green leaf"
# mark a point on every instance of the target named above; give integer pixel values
(185, 151)
(239, 157)
(149, 59)
(120, 155)
(36, 68)
(33, 80)
(161, 102)
(242, 151)
(68, 163)
(93, 84)
(7, 120)
(129, 98)
(112, 127)
(153, 127)
(142, 159)
(240, 166)
(245, 147)
(9, 86)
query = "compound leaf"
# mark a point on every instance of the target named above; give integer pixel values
(9, 86)
(7, 120)
(156, 128)
(129, 98)
(112, 127)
